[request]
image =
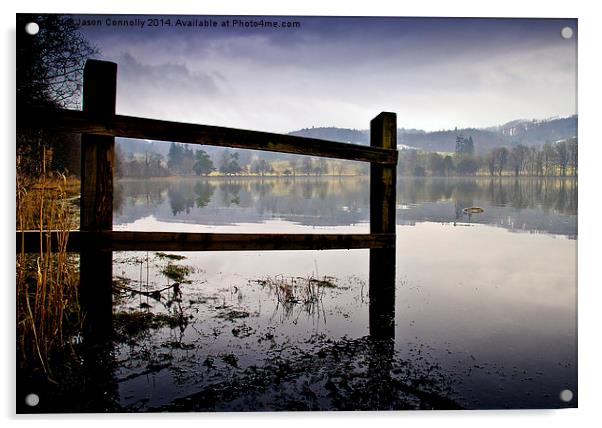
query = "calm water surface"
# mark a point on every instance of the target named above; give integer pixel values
(485, 304)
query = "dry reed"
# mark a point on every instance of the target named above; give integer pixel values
(289, 291)
(46, 281)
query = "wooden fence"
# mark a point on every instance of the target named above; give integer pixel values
(95, 241)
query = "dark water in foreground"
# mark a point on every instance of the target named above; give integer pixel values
(485, 305)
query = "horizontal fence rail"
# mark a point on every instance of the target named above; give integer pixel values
(161, 130)
(29, 241)
(95, 240)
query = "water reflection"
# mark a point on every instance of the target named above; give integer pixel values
(217, 201)
(525, 204)
(519, 205)
(468, 297)
(204, 191)
(349, 374)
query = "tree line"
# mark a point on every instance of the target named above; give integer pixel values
(558, 159)
(182, 160)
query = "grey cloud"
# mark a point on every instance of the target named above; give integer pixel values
(434, 73)
(171, 76)
(154, 90)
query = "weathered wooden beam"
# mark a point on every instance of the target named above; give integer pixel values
(96, 209)
(383, 180)
(175, 241)
(383, 133)
(28, 241)
(161, 130)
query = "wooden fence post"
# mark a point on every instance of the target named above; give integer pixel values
(383, 183)
(96, 209)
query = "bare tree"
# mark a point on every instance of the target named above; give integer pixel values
(50, 64)
(293, 163)
(49, 73)
(518, 158)
(339, 168)
(562, 156)
(535, 161)
(307, 166)
(321, 167)
(573, 150)
(501, 159)
(549, 159)
(490, 161)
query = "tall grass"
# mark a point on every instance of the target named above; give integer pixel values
(46, 281)
(305, 293)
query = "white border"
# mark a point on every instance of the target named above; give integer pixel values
(589, 232)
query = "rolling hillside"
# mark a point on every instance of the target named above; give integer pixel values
(527, 132)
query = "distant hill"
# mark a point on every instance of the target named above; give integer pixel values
(537, 131)
(527, 132)
(130, 145)
(140, 147)
(342, 135)
(445, 141)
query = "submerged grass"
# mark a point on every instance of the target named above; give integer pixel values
(305, 294)
(346, 374)
(169, 256)
(177, 273)
(46, 282)
(292, 290)
(134, 324)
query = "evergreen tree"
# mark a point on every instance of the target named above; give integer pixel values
(459, 144)
(234, 167)
(228, 163)
(464, 146)
(173, 157)
(203, 164)
(469, 149)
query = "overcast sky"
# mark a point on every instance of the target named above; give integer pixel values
(434, 73)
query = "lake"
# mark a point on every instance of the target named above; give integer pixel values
(485, 303)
